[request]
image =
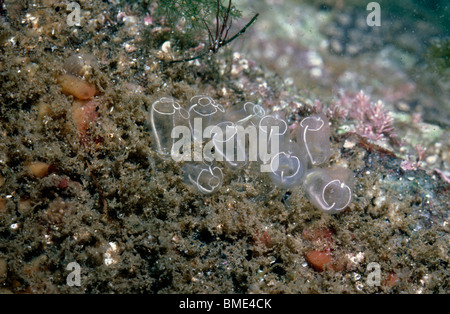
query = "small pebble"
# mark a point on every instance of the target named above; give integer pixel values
(318, 259)
(39, 169)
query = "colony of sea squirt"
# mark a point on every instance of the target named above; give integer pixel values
(206, 136)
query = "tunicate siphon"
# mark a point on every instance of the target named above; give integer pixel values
(238, 144)
(329, 189)
(313, 136)
(288, 166)
(203, 112)
(229, 145)
(249, 114)
(272, 132)
(207, 179)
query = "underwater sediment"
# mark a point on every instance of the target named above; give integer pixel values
(82, 179)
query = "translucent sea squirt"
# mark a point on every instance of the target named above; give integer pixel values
(204, 109)
(207, 179)
(272, 132)
(329, 189)
(229, 147)
(288, 166)
(313, 136)
(249, 114)
(165, 114)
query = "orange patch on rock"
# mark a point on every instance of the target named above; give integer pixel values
(319, 260)
(391, 280)
(2, 205)
(264, 239)
(83, 113)
(321, 256)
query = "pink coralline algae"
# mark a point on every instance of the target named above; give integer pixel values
(373, 121)
(410, 164)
